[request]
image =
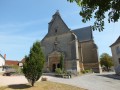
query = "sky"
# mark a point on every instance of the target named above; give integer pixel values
(22, 22)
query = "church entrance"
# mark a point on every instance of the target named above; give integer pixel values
(53, 67)
(54, 61)
(58, 65)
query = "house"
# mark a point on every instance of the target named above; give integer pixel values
(11, 63)
(115, 48)
(21, 62)
(2, 62)
(76, 46)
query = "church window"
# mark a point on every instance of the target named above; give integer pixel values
(119, 60)
(56, 29)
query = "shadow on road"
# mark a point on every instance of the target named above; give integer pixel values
(19, 86)
(112, 76)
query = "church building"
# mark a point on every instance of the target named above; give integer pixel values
(77, 47)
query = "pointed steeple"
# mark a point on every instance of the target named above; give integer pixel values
(53, 18)
(56, 14)
(56, 25)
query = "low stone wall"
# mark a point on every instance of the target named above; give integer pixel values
(94, 66)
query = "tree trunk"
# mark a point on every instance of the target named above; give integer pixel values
(32, 83)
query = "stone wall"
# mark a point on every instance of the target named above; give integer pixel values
(59, 38)
(115, 55)
(90, 56)
(76, 54)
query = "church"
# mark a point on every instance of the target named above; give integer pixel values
(77, 47)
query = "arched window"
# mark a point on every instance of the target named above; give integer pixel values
(56, 29)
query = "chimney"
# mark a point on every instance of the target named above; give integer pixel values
(5, 56)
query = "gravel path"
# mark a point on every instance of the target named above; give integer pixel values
(106, 81)
(9, 80)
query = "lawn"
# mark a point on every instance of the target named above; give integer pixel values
(44, 85)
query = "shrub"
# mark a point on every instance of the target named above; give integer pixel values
(58, 71)
(87, 71)
(34, 62)
(83, 71)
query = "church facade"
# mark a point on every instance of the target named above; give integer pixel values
(76, 46)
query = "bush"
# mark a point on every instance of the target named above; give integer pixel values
(58, 71)
(34, 63)
(87, 71)
(83, 71)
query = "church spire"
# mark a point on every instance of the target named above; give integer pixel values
(57, 13)
(53, 18)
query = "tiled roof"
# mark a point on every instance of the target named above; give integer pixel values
(83, 34)
(116, 42)
(11, 62)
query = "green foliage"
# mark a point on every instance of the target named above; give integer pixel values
(32, 68)
(87, 71)
(17, 69)
(98, 9)
(83, 71)
(106, 60)
(58, 71)
(61, 62)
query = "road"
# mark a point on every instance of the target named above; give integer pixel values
(105, 81)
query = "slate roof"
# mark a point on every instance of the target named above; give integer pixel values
(116, 42)
(83, 34)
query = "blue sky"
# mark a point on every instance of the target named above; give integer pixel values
(22, 22)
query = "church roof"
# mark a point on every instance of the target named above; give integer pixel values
(83, 34)
(116, 42)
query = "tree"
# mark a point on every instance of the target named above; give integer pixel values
(61, 62)
(106, 60)
(32, 68)
(98, 9)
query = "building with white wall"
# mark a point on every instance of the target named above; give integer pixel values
(115, 48)
(2, 62)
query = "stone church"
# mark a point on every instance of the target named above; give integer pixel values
(76, 46)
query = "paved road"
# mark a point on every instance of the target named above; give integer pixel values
(106, 81)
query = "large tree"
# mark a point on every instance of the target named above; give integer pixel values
(106, 60)
(34, 62)
(97, 9)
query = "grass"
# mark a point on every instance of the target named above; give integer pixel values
(44, 85)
